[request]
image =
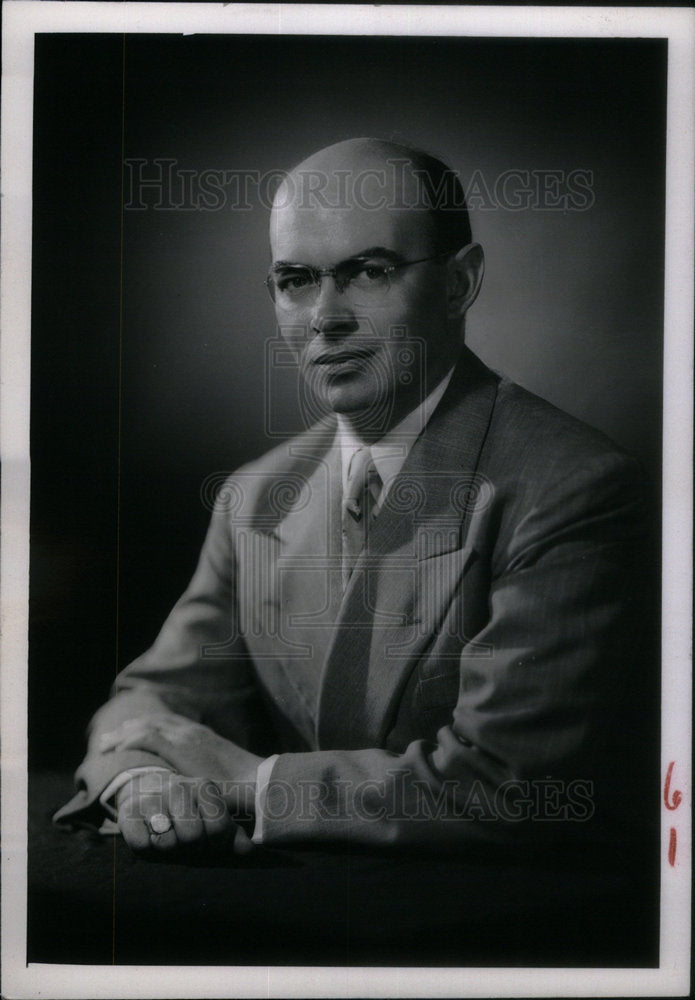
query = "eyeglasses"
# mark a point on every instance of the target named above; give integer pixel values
(368, 278)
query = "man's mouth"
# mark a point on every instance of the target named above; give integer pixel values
(356, 355)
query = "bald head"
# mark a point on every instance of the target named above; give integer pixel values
(370, 175)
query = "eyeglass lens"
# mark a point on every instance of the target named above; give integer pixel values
(298, 284)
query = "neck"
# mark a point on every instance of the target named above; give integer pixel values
(402, 405)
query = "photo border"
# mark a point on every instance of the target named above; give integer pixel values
(22, 19)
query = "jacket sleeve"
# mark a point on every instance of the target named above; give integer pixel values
(539, 725)
(198, 667)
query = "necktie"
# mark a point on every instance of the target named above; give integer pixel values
(363, 488)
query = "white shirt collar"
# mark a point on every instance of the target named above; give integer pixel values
(390, 452)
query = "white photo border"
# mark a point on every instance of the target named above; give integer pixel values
(22, 19)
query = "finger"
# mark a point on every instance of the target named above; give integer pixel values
(171, 745)
(135, 833)
(132, 823)
(219, 826)
(160, 827)
(177, 755)
(109, 741)
(164, 841)
(242, 842)
(130, 729)
(155, 783)
(143, 816)
(168, 723)
(181, 731)
(188, 825)
(189, 831)
(151, 741)
(126, 741)
(172, 721)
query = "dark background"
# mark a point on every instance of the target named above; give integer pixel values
(149, 328)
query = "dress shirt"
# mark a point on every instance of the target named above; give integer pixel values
(390, 452)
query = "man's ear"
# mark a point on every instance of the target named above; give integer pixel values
(464, 279)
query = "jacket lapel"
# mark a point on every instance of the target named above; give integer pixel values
(402, 584)
(289, 557)
(310, 555)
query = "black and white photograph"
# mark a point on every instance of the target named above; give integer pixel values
(347, 513)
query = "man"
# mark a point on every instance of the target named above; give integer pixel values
(417, 623)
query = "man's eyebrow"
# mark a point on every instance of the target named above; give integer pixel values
(382, 252)
(286, 263)
(378, 252)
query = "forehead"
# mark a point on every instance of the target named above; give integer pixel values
(322, 216)
(321, 236)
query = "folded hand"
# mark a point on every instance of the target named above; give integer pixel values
(160, 812)
(193, 750)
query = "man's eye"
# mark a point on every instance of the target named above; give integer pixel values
(371, 274)
(293, 281)
(375, 273)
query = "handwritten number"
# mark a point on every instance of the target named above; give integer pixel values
(671, 803)
(677, 797)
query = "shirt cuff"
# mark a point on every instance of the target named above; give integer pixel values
(107, 799)
(262, 781)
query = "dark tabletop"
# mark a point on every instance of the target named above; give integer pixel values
(90, 901)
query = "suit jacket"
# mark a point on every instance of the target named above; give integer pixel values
(470, 686)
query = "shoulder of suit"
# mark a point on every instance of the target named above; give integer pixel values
(534, 451)
(521, 424)
(521, 419)
(292, 452)
(268, 484)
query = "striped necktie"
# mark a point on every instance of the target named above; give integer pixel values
(363, 489)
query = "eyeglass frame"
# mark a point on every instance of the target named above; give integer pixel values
(321, 272)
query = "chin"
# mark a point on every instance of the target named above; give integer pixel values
(369, 416)
(347, 402)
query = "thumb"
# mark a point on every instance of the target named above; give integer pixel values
(242, 843)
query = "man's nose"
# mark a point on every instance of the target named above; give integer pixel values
(332, 314)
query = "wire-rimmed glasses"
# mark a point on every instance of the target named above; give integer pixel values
(368, 279)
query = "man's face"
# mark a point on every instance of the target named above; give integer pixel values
(372, 357)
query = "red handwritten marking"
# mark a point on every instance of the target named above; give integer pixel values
(677, 797)
(672, 848)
